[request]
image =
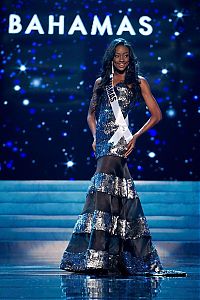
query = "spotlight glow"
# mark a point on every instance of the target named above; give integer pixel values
(151, 154)
(17, 88)
(164, 71)
(25, 102)
(70, 164)
(189, 54)
(22, 68)
(179, 15)
(171, 113)
(36, 82)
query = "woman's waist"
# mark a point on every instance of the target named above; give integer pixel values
(106, 133)
(112, 125)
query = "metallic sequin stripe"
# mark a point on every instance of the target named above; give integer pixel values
(97, 259)
(98, 220)
(113, 224)
(92, 259)
(133, 230)
(113, 185)
(149, 263)
(83, 223)
(73, 261)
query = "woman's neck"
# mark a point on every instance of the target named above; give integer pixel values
(118, 77)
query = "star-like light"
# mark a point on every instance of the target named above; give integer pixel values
(70, 164)
(164, 71)
(17, 88)
(22, 68)
(151, 154)
(171, 112)
(179, 14)
(25, 102)
(36, 82)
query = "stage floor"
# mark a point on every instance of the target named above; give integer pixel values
(43, 280)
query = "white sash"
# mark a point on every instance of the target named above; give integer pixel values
(123, 130)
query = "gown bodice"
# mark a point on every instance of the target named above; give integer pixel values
(106, 125)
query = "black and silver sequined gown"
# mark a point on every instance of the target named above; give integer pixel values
(111, 233)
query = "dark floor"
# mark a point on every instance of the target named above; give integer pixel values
(39, 280)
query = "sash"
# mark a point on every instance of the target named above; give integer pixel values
(123, 130)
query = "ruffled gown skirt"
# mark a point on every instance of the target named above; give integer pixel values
(111, 234)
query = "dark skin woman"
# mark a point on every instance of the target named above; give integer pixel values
(121, 63)
(111, 234)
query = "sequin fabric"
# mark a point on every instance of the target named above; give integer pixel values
(97, 259)
(133, 230)
(73, 261)
(103, 240)
(149, 263)
(113, 185)
(113, 224)
(106, 126)
(93, 259)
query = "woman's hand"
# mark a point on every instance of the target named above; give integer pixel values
(130, 146)
(94, 145)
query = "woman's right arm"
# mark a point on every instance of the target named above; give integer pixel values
(91, 118)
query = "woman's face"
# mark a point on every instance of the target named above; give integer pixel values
(121, 58)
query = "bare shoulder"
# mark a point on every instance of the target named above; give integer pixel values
(96, 84)
(144, 84)
(143, 80)
(98, 81)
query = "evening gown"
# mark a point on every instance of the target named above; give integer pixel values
(111, 233)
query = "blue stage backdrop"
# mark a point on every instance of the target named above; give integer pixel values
(51, 54)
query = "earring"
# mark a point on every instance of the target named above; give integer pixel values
(112, 70)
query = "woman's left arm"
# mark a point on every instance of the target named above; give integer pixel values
(154, 109)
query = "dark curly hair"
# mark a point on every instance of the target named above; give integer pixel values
(131, 76)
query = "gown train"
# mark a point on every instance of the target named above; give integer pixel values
(111, 234)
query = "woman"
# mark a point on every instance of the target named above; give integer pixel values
(112, 234)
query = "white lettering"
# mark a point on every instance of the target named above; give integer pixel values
(34, 25)
(143, 23)
(15, 25)
(77, 25)
(96, 25)
(125, 26)
(52, 24)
